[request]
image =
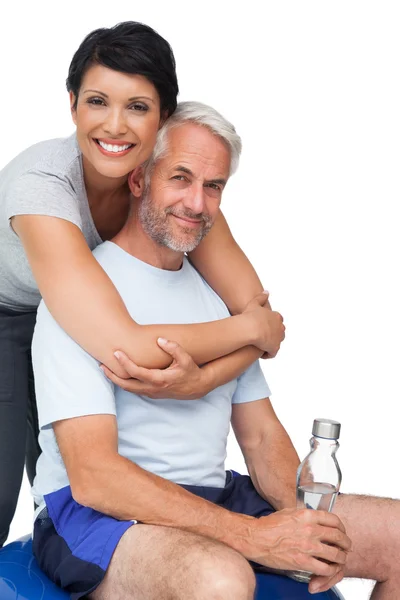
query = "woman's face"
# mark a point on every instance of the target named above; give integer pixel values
(117, 118)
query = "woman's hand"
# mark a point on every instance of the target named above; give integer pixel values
(182, 380)
(271, 328)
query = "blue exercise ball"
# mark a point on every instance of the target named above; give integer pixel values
(20, 576)
(21, 579)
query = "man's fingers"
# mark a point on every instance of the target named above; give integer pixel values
(107, 371)
(332, 554)
(125, 362)
(149, 376)
(329, 535)
(113, 377)
(321, 568)
(153, 380)
(321, 584)
(146, 388)
(337, 538)
(175, 350)
(331, 531)
(322, 517)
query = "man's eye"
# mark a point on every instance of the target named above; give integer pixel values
(180, 177)
(214, 186)
(95, 101)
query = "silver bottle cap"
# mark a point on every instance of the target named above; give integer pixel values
(326, 428)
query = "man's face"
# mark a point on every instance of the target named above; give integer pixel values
(180, 205)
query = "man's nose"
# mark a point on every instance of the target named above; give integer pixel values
(194, 200)
(115, 123)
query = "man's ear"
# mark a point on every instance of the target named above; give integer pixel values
(136, 182)
(72, 100)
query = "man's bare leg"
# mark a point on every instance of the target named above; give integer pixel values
(164, 563)
(373, 525)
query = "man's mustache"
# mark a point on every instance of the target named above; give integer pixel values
(189, 215)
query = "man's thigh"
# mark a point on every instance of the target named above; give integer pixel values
(163, 562)
(373, 525)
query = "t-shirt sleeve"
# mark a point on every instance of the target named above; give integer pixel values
(40, 193)
(68, 381)
(251, 385)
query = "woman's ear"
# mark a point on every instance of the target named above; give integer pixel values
(136, 182)
(72, 102)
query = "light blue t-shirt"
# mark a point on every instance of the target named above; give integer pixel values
(182, 441)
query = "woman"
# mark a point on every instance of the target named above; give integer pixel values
(61, 198)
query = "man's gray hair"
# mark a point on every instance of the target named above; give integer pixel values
(201, 114)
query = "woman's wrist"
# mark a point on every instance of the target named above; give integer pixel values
(209, 375)
(250, 328)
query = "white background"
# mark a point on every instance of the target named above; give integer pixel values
(313, 89)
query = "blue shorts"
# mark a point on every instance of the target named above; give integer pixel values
(74, 544)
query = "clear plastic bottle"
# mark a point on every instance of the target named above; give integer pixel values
(319, 476)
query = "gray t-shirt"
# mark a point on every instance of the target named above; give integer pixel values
(46, 179)
(182, 441)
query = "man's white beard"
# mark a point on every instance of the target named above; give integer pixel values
(155, 224)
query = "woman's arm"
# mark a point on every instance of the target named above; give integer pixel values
(84, 301)
(183, 380)
(225, 267)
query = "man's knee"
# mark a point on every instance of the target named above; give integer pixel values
(223, 573)
(373, 525)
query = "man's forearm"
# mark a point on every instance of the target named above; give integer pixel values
(124, 491)
(272, 467)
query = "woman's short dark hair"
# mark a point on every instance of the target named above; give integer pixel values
(132, 48)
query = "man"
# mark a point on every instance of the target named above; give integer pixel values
(112, 521)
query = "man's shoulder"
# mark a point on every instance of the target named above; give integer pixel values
(197, 277)
(184, 286)
(113, 259)
(103, 251)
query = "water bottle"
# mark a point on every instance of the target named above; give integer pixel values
(319, 476)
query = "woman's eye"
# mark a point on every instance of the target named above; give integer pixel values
(96, 101)
(140, 107)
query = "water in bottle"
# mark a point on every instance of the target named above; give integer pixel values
(319, 476)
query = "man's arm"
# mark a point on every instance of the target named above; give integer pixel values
(105, 481)
(270, 456)
(75, 397)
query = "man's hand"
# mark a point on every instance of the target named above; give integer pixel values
(305, 540)
(269, 327)
(182, 380)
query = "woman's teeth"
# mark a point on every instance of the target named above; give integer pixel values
(114, 147)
